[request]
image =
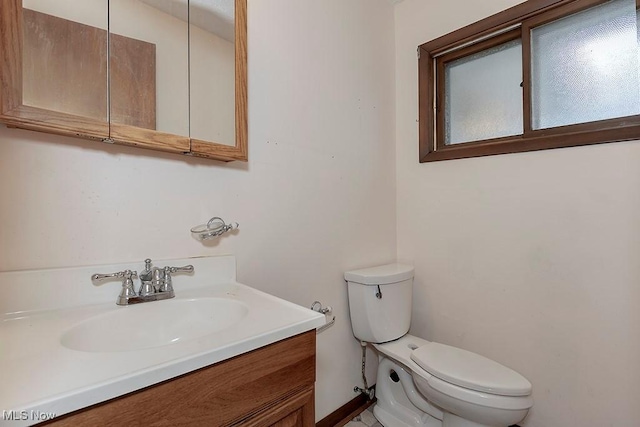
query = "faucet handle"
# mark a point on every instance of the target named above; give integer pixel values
(127, 291)
(126, 274)
(168, 283)
(185, 269)
(96, 276)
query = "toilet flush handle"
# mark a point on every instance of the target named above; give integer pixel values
(379, 293)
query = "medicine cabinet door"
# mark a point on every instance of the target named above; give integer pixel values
(53, 67)
(218, 78)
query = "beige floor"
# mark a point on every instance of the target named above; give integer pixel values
(365, 419)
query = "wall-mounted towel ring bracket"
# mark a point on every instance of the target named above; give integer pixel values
(317, 306)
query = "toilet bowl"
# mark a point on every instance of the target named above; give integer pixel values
(421, 383)
(448, 403)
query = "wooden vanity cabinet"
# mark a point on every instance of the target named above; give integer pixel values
(270, 386)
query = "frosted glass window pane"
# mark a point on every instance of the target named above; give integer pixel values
(585, 66)
(483, 97)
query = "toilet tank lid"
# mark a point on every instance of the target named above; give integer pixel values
(380, 275)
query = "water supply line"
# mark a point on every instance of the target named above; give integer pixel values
(370, 392)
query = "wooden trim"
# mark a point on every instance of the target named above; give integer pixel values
(441, 104)
(241, 81)
(41, 120)
(427, 101)
(10, 55)
(480, 46)
(526, 80)
(215, 151)
(559, 12)
(346, 412)
(148, 138)
(493, 23)
(540, 141)
(568, 130)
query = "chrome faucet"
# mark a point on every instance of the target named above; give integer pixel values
(155, 283)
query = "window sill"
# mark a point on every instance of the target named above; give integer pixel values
(536, 140)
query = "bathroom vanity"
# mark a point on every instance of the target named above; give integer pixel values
(271, 386)
(219, 353)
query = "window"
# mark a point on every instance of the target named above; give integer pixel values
(543, 74)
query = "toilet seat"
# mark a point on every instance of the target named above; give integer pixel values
(470, 370)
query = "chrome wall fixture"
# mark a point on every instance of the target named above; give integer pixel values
(216, 227)
(317, 306)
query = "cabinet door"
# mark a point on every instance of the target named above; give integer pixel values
(149, 74)
(294, 419)
(218, 79)
(53, 68)
(295, 411)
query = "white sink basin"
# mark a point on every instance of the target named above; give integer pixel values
(153, 324)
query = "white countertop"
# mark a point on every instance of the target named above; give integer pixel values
(41, 376)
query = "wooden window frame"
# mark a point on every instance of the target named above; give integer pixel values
(500, 28)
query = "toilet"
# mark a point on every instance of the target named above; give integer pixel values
(422, 383)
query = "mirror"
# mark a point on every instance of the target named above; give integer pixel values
(66, 41)
(149, 72)
(168, 75)
(212, 52)
(211, 135)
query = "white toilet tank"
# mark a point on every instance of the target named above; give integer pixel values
(380, 302)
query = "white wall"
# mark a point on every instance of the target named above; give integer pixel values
(316, 197)
(530, 259)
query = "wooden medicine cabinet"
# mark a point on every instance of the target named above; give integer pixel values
(158, 74)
